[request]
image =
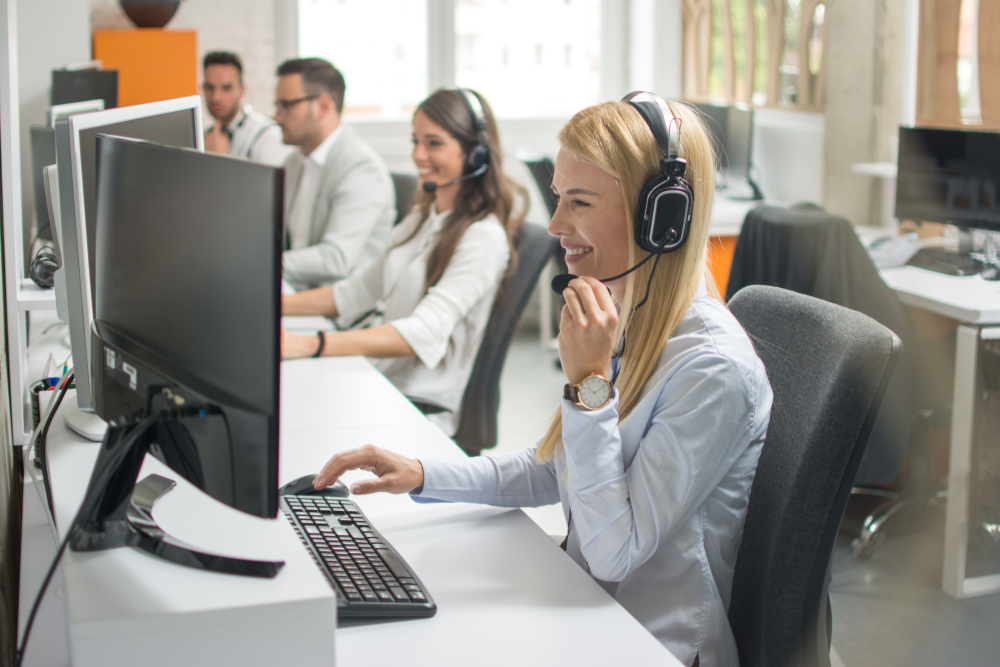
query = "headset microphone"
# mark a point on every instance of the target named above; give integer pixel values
(430, 186)
(561, 282)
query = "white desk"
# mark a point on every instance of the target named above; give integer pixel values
(976, 304)
(506, 594)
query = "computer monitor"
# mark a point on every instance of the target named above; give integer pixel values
(731, 127)
(173, 122)
(43, 154)
(58, 111)
(949, 176)
(186, 340)
(87, 84)
(716, 118)
(739, 141)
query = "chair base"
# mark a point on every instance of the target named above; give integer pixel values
(873, 529)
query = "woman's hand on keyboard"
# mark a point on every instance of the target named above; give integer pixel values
(396, 474)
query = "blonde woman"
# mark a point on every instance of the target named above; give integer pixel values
(655, 482)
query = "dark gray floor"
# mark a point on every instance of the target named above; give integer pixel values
(887, 611)
(890, 610)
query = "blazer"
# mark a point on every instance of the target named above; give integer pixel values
(352, 214)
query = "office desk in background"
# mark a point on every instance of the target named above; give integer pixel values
(505, 592)
(975, 304)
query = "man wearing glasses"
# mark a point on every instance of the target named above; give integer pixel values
(238, 130)
(339, 199)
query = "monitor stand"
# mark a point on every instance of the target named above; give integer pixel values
(118, 512)
(84, 422)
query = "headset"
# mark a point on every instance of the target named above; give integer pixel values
(478, 159)
(666, 202)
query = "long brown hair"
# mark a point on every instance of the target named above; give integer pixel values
(614, 138)
(492, 192)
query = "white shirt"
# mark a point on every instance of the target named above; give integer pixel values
(304, 196)
(444, 325)
(659, 501)
(254, 136)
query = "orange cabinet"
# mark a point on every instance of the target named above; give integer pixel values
(720, 259)
(152, 64)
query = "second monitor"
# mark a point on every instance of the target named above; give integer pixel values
(171, 122)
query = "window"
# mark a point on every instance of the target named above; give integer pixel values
(384, 62)
(530, 57)
(768, 52)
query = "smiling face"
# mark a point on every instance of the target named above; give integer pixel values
(590, 220)
(437, 155)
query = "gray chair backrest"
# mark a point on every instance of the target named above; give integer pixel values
(405, 186)
(829, 368)
(810, 251)
(477, 426)
(542, 170)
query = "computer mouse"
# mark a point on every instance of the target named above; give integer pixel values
(303, 486)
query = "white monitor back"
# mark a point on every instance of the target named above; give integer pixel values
(58, 111)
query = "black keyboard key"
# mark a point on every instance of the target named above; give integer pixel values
(399, 594)
(385, 596)
(393, 563)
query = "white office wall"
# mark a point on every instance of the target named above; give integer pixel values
(50, 34)
(246, 27)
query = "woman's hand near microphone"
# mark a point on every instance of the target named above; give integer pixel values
(587, 329)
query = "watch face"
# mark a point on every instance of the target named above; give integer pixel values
(595, 392)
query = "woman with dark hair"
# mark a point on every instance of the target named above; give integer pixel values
(420, 310)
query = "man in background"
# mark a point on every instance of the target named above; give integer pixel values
(238, 129)
(339, 199)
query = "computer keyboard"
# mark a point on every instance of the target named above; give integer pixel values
(370, 579)
(944, 261)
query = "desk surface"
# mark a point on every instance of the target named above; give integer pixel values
(968, 299)
(505, 591)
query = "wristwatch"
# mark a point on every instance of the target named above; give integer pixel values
(592, 393)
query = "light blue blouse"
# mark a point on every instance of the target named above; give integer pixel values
(658, 502)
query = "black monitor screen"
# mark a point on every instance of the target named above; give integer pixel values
(949, 176)
(716, 118)
(82, 85)
(177, 128)
(739, 141)
(188, 297)
(43, 154)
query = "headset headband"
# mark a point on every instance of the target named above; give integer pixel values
(475, 109)
(660, 119)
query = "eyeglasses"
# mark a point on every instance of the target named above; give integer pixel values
(282, 106)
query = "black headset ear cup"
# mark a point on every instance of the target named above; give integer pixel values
(663, 216)
(478, 156)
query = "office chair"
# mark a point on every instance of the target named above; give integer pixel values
(829, 368)
(477, 425)
(807, 250)
(405, 186)
(541, 169)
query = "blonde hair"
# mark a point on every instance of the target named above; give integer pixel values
(614, 138)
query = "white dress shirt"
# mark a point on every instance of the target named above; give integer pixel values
(254, 136)
(444, 325)
(304, 196)
(658, 502)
